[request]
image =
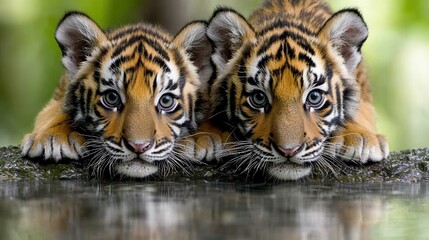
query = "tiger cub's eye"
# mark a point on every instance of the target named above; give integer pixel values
(315, 99)
(258, 100)
(111, 99)
(167, 103)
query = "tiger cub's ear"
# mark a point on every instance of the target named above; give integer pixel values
(77, 35)
(193, 39)
(347, 31)
(228, 30)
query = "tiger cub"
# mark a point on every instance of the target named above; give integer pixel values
(126, 99)
(292, 89)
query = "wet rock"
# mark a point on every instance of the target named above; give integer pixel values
(13, 167)
(404, 166)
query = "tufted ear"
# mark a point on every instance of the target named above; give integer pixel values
(227, 30)
(77, 35)
(193, 39)
(347, 31)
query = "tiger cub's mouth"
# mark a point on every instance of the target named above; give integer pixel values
(141, 163)
(293, 165)
(159, 159)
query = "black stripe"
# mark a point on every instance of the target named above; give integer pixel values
(96, 75)
(149, 73)
(242, 72)
(137, 29)
(169, 83)
(82, 99)
(263, 62)
(243, 113)
(160, 151)
(115, 150)
(180, 126)
(295, 72)
(248, 134)
(336, 121)
(118, 62)
(89, 93)
(306, 59)
(154, 85)
(232, 93)
(328, 71)
(129, 42)
(325, 105)
(178, 116)
(328, 111)
(191, 107)
(278, 72)
(268, 43)
(252, 81)
(310, 153)
(280, 23)
(161, 63)
(271, 81)
(181, 82)
(173, 87)
(339, 100)
(97, 65)
(321, 130)
(320, 81)
(246, 52)
(172, 132)
(289, 51)
(97, 113)
(280, 51)
(299, 40)
(305, 45)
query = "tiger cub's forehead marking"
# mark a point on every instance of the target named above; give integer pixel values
(142, 60)
(276, 69)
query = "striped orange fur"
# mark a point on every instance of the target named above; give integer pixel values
(292, 89)
(127, 98)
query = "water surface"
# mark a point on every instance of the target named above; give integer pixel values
(200, 210)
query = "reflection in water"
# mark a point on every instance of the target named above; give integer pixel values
(142, 210)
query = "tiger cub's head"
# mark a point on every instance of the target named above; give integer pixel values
(285, 87)
(132, 92)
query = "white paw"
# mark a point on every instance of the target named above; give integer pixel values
(361, 147)
(52, 146)
(203, 147)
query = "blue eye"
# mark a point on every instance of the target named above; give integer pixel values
(258, 100)
(111, 99)
(315, 99)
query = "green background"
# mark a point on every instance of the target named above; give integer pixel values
(397, 55)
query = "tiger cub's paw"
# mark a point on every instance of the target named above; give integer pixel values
(52, 146)
(203, 147)
(361, 146)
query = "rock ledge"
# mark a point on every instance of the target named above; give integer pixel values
(404, 166)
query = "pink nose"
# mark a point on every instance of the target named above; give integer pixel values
(290, 152)
(140, 147)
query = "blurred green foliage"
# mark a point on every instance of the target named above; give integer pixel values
(396, 53)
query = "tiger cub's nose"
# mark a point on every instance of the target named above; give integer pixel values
(140, 147)
(290, 152)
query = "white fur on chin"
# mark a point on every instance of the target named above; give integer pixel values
(136, 169)
(289, 171)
